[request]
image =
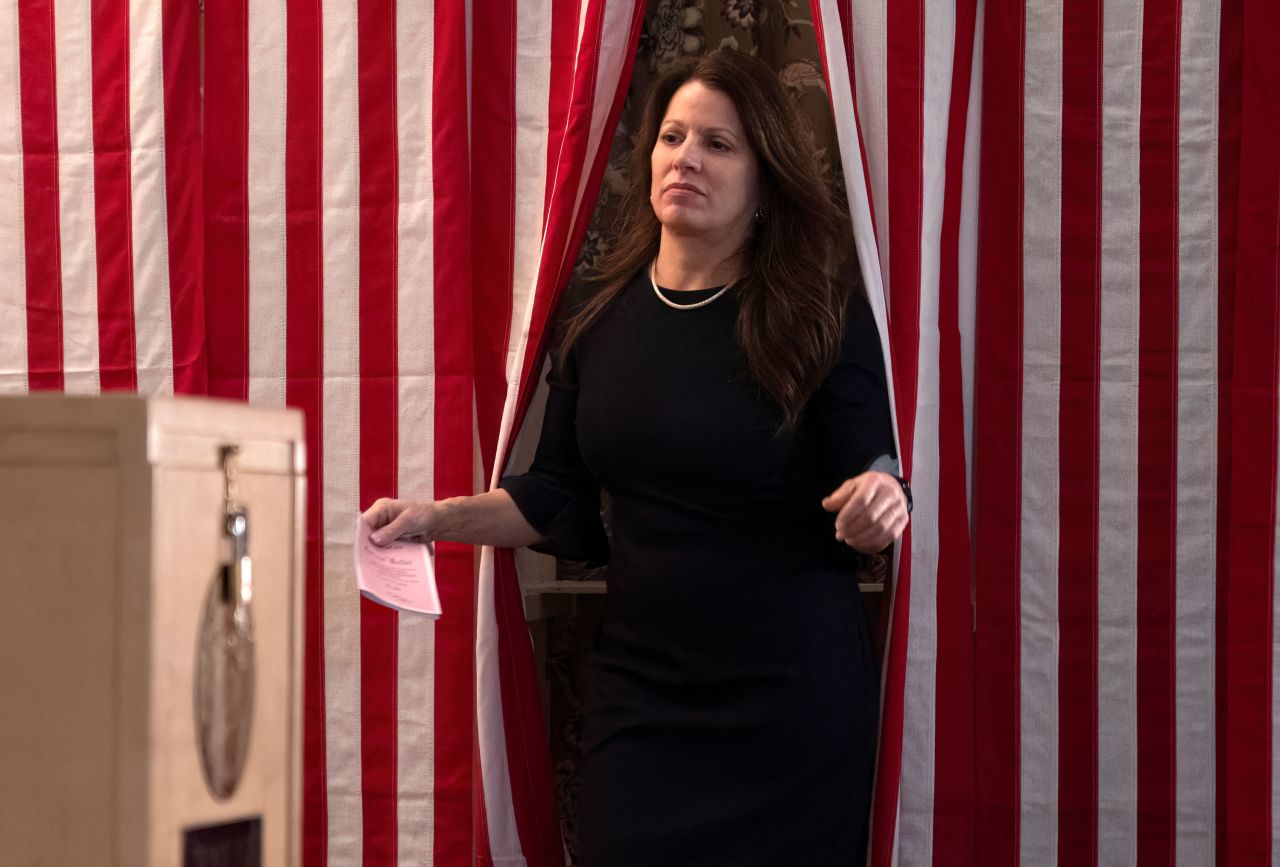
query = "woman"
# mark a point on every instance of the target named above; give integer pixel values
(717, 386)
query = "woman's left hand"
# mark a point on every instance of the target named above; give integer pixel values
(871, 511)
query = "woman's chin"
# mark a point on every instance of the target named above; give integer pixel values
(683, 226)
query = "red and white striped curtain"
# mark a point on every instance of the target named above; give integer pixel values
(388, 212)
(1125, 435)
(100, 250)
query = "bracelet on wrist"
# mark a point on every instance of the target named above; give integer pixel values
(906, 491)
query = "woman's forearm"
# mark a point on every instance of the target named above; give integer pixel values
(486, 519)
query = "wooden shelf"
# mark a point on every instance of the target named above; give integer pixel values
(594, 587)
(570, 587)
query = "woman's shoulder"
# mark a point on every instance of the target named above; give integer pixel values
(617, 308)
(861, 350)
(604, 330)
(860, 329)
(581, 290)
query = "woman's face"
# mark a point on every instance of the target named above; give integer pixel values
(705, 177)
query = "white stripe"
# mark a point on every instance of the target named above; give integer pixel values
(532, 94)
(73, 70)
(1041, 359)
(919, 736)
(1118, 426)
(968, 243)
(149, 209)
(341, 438)
(1197, 432)
(870, 26)
(266, 222)
(13, 245)
(894, 853)
(415, 340)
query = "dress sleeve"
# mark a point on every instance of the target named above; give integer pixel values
(558, 496)
(854, 426)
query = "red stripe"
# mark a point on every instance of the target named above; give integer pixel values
(1081, 299)
(997, 469)
(564, 233)
(183, 193)
(226, 199)
(953, 805)
(493, 156)
(1229, 100)
(905, 61)
(564, 44)
(113, 220)
(905, 96)
(304, 385)
(40, 194)
(527, 757)
(1248, 694)
(1157, 429)
(455, 790)
(376, 25)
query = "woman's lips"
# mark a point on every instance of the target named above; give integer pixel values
(684, 188)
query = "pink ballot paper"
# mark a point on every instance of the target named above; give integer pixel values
(400, 575)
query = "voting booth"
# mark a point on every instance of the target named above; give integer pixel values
(150, 631)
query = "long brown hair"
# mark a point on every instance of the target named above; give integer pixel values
(791, 310)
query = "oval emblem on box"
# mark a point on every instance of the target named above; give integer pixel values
(224, 679)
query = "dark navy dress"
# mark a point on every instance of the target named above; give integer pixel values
(732, 702)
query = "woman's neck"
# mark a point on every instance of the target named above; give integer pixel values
(687, 263)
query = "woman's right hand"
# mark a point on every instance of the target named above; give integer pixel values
(410, 520)
(484, 519)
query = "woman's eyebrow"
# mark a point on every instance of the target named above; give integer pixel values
(723, 131)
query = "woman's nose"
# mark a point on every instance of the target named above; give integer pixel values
(687, 157)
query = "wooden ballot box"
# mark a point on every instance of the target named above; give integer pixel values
(150, 632)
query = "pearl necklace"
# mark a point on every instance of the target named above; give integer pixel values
(653, 267)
